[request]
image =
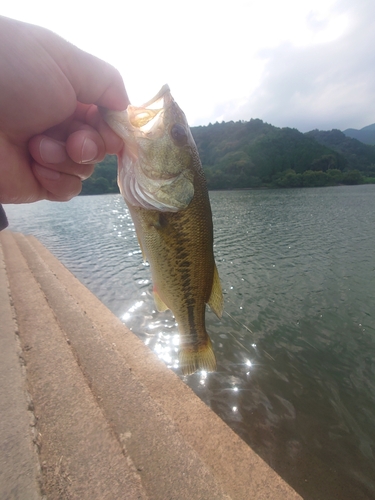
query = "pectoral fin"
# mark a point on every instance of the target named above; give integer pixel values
(216, 300)
(160, 305)
(141, 247)
(140, 244)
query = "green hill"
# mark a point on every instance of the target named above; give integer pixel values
(359, 156)
(252, 154)
(240, 155)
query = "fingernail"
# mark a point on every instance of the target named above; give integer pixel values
(47, 173)
(89, 151)
(52, 151)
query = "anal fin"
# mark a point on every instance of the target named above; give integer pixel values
(216, 301)
(160, 305)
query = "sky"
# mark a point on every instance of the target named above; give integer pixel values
(305, 64)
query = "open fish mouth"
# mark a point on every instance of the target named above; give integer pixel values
(149, 116)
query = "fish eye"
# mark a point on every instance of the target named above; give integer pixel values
(179, 134)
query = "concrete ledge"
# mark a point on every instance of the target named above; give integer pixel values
(112, 420)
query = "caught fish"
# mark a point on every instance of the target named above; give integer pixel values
(161, 179)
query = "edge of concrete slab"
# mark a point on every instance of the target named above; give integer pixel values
(174, 442)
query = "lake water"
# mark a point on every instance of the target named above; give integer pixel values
(296, 344)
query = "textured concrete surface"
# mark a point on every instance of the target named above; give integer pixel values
(18, 458)
(111, 420)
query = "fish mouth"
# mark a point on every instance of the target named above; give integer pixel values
(163, 92)
(144, 180)
(149, 116)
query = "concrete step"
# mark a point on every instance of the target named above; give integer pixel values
(111, 420)
(79, 454)
(19, 464)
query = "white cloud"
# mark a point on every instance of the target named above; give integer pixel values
(306, 64)
(324, 85)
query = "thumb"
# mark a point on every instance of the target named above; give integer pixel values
(97, 82)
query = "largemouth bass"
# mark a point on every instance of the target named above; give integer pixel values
(161, 179)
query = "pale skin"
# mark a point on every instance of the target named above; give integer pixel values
(51, 131)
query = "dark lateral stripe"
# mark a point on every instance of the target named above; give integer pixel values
(193, 332)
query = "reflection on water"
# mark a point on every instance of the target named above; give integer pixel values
(296, 344)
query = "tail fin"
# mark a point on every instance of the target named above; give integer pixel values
(194, 358)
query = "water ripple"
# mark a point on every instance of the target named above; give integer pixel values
(296, 344)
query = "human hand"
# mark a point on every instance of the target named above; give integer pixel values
(51, 131)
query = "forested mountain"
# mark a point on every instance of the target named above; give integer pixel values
(359, 156)
(237, 155)
(254, 153)
(365, 134)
